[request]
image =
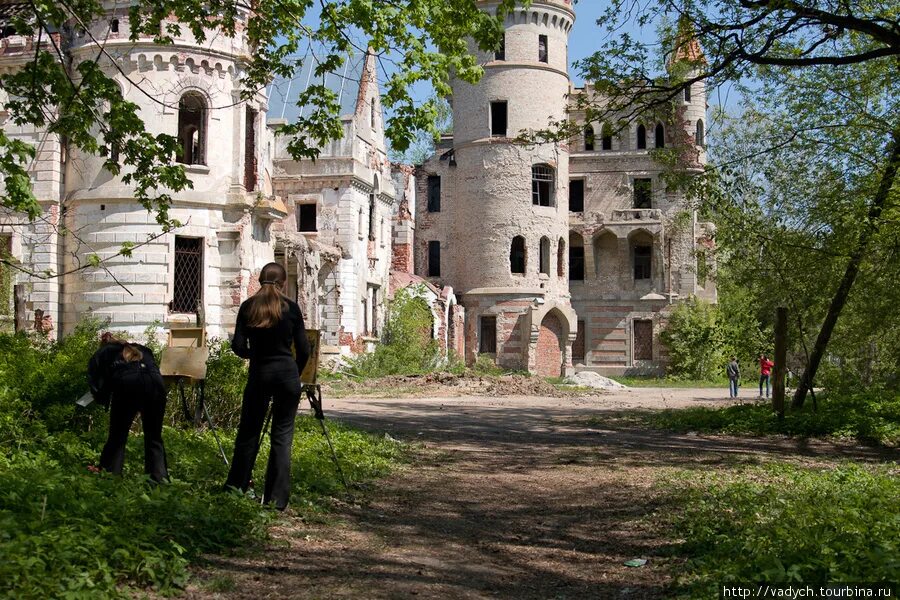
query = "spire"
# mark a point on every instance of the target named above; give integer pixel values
(687, 47)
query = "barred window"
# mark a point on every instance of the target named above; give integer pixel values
(187, 294)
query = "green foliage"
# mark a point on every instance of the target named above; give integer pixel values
(226, 376)
(485, 365)
(695, 338)
(407, 345)
(872, 416)
(785, 524)
(46, 373)
(701, 337)
(68, 533)
(426, 42)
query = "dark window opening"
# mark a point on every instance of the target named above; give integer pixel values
(576, 195)
(500, 54)
(561, 259)
(191, 130)
(542, 180)
(498, 118)
(306, 217)
(434, 193)
(372, 114)
(576, 263)
(687, 93)
(641, 137)
(487, 339)
(114, 26)
(372, 214)
(578, 347)
(643, 193)
(660, 135)
(642, 262)
(517, 255)
(188, 275)
(700, 137)
(543, 55)
(434, 259)
(250, 179)
(606, 140)
(643, 340)
(588, 138)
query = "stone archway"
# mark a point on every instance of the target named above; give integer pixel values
(549, 357)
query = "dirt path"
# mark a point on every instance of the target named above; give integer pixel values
(510, 498)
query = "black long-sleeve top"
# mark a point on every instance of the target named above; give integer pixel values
(269, 349)
(107, 362)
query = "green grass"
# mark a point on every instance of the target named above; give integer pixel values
(669, 382)
(779, 523)
(867, 417)
(69, 533)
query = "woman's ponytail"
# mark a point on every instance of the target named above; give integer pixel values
(267, 305)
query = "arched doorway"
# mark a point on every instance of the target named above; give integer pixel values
(549, 347)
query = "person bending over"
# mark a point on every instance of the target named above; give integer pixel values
(124, 377)
(268, 325)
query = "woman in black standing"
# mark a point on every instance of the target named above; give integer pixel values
(268, 326)
(124, 376)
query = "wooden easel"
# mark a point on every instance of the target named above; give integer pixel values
(184, 360)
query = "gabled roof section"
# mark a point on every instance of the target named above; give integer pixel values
(346, 83)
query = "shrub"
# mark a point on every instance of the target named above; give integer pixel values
(695, 339)
(872, 416)
(785, 524)
(407, 345)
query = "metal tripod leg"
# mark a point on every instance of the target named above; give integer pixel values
(209, 420)
(184, 404)
(314, 395)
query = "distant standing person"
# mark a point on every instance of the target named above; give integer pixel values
(124, 377)
(268, 326)
(733, 370)
(765, 372)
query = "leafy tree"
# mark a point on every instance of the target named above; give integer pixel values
(427, 40)
(807, 184)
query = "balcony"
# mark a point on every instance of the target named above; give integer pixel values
(646, 215)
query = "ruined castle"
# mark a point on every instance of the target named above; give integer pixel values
(545, 257)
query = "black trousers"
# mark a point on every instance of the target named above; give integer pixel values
(282, 388)
(132, 393)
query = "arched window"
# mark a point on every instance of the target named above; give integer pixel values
(700, 138)
(192, 129)
(687, 93)
(606, 140)
(517, 255)
(660, 136)
(561, 258)
(588, 138)
(641, 137)
(543, 179)
(545, 256)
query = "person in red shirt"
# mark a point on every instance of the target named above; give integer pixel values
(765, 371)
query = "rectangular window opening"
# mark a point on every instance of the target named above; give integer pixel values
(188, 275)
(306, 218)
(576, 195)
(642, 262)
(643, 340)
(434, 259)
(487, 338)
(643, 193)
(543, 55)
(250, 178)
(576, 263)
(498, 118)
(434, 193)
(578, 347)
(500, 54)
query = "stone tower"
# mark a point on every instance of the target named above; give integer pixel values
(499, 232)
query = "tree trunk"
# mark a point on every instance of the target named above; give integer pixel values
(852, 270)
(780, 357)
